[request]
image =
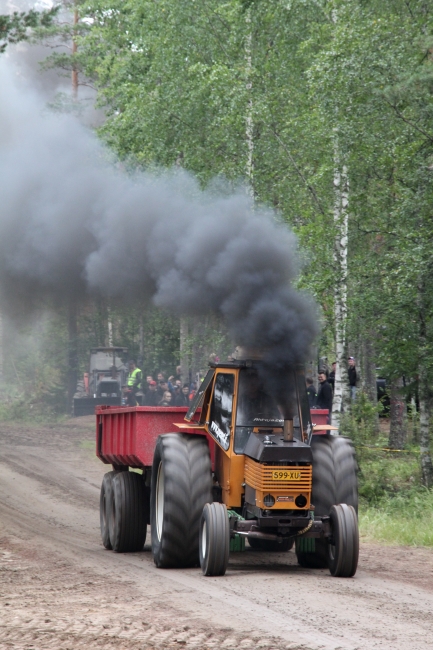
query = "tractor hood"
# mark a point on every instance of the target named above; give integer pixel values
(273, 448)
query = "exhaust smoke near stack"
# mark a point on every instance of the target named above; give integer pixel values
(72, 225)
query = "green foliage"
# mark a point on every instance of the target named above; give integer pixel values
(17, 26)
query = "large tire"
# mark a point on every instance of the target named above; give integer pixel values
(269, 546)
(105, 507)
(334, 481)
(343, 547)
(127, 521)
(181, 486)
(214, 544)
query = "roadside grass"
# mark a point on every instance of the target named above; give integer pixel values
(394, 507)
(403, 519)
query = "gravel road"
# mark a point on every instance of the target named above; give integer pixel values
(59, 588)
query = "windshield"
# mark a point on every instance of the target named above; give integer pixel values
(255, 405)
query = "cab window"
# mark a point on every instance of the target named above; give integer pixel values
(222, 409)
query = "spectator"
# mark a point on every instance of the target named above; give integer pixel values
(162, 388)
(166, 399)
(178, 375)
(324, 396)
(151, 396)
(311, 392)
(353, 378)
(133, 383)
(183, 398)
(331, 378)
(192, 391)
(149, 378)
(160, 377)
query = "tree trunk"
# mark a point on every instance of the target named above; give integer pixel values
(424, 425)
(398, 419)
(74, 75)
(184, 350)
(109, 327)
(249, 126)
(72, 352)
(341, 219)
(368, 373)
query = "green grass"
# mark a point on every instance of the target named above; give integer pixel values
(403, 519)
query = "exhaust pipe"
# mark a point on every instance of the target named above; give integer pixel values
(288, 431)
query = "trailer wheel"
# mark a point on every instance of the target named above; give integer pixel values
(343, 548)
(105, 507)
(181, 486)
(127, 520)
(271, 547)
(334, 481)
(214, 539)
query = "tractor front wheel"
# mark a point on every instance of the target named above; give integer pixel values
(214, 539)
(343, 547)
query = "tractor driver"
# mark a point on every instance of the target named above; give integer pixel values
(133, 383)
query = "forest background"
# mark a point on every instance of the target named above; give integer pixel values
(324, 110)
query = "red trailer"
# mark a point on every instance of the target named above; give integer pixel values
(126, 435)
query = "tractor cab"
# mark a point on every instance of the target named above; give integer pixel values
(256, 428)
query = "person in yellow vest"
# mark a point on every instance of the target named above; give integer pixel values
(133, 383)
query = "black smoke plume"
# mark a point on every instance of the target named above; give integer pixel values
(73, 225)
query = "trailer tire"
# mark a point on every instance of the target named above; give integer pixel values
(270, 546)
(181, 486)
(127, 521)
(343, 548)
(214, 539)
(105, 508)
(334, 482)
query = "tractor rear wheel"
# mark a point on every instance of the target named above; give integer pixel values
(127, 521)
(343, 548)
(105, 508)
(334, 481)
(181, 486)
(270, 546)
(214, 539)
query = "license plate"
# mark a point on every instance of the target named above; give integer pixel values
(284, 475)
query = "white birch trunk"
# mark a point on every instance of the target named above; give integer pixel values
(110, 328)
(341, 223)
(249, 124)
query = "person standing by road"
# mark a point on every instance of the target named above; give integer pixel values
(324, 396)
(311, 392)
(151, 396)
(353, 378)
(133, 383)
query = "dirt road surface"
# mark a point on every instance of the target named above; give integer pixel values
(59, 588)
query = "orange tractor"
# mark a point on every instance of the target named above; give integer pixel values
(235, 469)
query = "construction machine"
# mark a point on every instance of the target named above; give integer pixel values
(241, 466)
